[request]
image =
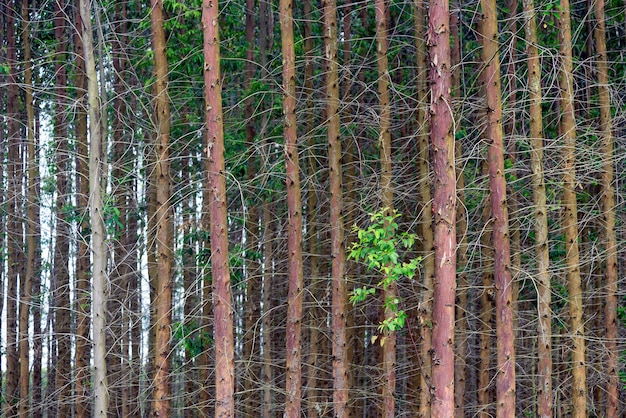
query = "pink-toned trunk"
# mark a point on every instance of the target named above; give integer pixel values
(222, 304)
(444, 210)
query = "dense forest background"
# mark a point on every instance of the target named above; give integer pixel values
(363, 208)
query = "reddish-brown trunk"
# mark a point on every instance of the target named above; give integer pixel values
(340, 364)
(222, 308)
(444, 208)
(389, 347)
(294, 207)
(164, 230)
(505, 379)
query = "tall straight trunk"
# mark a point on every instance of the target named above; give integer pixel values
(444, 210)
(119, 275)
(31, 228)
(4, 17)
(222, 307)
(505, 379)
(426, 221)
(510, 155)
(340, 364)
(83, 297)
(570, 216)
(608, 209)
(61, 249)
(98, 232)
(14, 225)
(294, 207)
(251, 349)
(206, 356)
(268, 237)
(461, 339)
(544, 296)
(389, 348)
(35, 372)
(163, 215)
(267, 226)
(312, 240)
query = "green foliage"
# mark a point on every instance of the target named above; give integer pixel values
(190, 336)
(378, 247)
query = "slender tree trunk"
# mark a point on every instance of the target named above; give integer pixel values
(608, 209)
(222, 305)
(570, 217)
(505, 379)
(268, 237)
(83, 297)
(98, 234)
(206, 357)
(312, 240)
(340, 364)
(426, 221)
(462, 337)
(36, 380)
(251, 349)
(31, 227)
(162, 394)
(444, 208)
(544, 297)
(389, 347)
(61, 250)
(294, 203)
(119, 276)
(14, 225)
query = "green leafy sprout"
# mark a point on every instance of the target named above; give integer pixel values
(379, 247)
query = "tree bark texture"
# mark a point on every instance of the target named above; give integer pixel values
(544, 296)
(444, 210)
(505, 379)
(570, 216)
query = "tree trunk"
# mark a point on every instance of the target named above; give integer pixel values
(119, 275)
(31, 227)
(340, 364)
(251, 349)
(505, 379)
(389, 347)
(14, 225)
(570, 216)
(608, 209)
(462, 337)
(444, 208)
(268, 237)
(98, 233)
(312, 240)
(83, 296)
(544, 297)
(294, 203)
(222, 305)
(163, 324)
(426, 221)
